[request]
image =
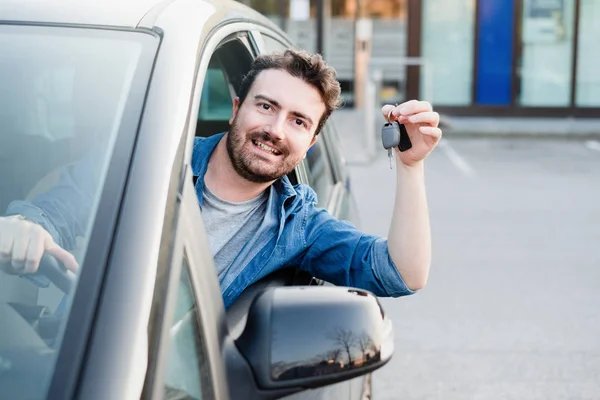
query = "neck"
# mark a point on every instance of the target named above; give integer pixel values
(223, 180)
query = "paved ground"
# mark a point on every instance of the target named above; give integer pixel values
(511, 310)
(353, 124)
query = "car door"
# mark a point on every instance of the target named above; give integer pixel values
(341, 202)
(188, 318)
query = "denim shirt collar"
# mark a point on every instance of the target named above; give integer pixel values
(203, 149)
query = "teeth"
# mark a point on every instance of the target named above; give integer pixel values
(265, 147)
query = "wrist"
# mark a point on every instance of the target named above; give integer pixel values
(18, 217)
(409, 166)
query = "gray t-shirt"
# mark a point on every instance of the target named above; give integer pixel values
(231, 225)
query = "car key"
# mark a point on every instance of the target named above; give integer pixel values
(390, 137)
(394, 134)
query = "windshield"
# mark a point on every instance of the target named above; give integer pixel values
(64, 93)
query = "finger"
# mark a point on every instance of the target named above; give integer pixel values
(63, 256)
(19, 252)
(395, 109)
(431, 131)
(6, 245)
(402, 119)
(407, 104)
(385, 110)
(431, 118)
(35, 251)
(412, 107)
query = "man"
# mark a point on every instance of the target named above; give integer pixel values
(256, 220)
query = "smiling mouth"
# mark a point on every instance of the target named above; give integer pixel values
(265, 148)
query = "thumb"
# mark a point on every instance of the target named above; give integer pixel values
(385, 110)
(63, 256)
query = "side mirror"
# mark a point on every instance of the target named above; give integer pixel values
(306, 337)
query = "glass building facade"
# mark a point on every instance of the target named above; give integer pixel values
(468, 57)
(512, 57)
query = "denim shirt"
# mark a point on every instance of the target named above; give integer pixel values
(294, 232)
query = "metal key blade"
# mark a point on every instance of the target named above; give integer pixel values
(390, 157)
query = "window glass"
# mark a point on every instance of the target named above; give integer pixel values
(320, 175)
(186, 351)
(272, 45)
(547, 43)
(588, 63)
(216, 102)
(336, 151)
(448, 36)
(227, 67)
(63, 103)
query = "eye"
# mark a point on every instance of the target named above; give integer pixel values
(265, 106)
(299, 122)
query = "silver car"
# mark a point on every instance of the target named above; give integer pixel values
(125, 88)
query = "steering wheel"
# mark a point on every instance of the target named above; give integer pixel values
(58, 274)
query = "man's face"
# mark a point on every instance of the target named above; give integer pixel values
(274, 127)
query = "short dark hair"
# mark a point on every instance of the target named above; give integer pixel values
(309, 67)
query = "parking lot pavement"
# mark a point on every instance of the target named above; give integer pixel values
(511, 307)
(361, 142)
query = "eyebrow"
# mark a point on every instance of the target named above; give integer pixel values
(276, 104)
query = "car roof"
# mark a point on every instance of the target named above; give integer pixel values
(103, 12)
(118, 13)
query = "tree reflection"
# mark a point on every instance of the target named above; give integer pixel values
(367, 347)
(346, 339)
(334, 355)
(349, 351)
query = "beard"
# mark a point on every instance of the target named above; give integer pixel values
(251, 166)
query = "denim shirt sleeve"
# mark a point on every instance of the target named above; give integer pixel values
(339, 253)
(64, 210)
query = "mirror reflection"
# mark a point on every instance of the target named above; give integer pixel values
(340, 339)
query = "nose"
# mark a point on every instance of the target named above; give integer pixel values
(276, 129)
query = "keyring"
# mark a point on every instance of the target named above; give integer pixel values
(390, 113)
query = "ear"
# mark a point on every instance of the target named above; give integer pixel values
(235, 109)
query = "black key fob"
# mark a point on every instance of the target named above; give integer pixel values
(405, 142)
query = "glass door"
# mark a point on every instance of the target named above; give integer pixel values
(545, 67)
(588, 60)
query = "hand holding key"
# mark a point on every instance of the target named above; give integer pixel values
(421, 125)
